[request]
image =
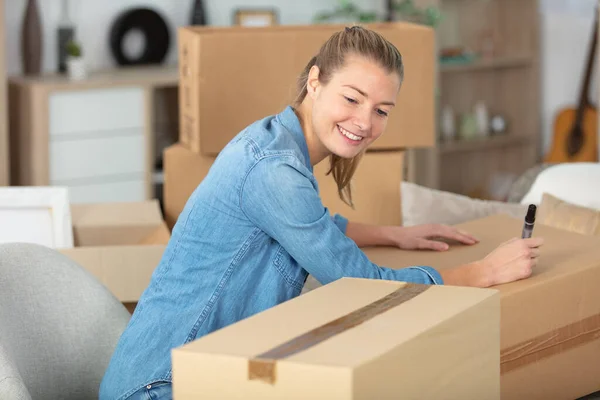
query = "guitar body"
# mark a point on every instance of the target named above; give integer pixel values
(576, 129)
(583, 143)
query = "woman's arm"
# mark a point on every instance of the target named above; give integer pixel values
(282, 202)
(407, 238)
(365, 235)
(279, 198)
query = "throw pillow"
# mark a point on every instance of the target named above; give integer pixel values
(564, 215)
(422, 205)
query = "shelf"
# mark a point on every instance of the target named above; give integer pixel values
(498, 63)
(493, 142)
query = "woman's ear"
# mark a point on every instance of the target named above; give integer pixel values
(312, 83)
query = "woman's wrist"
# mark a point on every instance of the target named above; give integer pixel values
(371, 235)
(466, 275)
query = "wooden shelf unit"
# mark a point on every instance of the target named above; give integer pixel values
(508, 82)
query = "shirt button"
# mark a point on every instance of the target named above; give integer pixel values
(149, 387)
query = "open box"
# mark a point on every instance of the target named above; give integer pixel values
(119, 243)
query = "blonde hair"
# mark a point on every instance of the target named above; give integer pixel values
(359, 41)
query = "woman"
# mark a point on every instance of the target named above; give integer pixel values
(255, 227)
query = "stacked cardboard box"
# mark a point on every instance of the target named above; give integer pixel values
(353, 339)
(550, 346)
(231, 77)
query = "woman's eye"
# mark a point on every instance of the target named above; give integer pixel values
(350, 100)
(381, 112)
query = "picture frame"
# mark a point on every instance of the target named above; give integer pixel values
(36, 214)
(255, 17)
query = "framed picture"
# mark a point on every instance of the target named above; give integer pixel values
(40, 215)
(255, 17)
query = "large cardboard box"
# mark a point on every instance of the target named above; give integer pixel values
(119, 243)
(376, 186)
(231, 77)
(550, 321)
(352, 339)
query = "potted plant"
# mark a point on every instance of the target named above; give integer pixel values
(75, 61)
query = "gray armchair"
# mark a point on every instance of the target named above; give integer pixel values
(58, 326)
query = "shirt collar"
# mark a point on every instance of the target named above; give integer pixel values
(290, 121)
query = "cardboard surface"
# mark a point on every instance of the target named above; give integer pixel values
(375, 189)
(550, 321)
(119, 243)
(231, 77)
(352, 349)
(376, 185)
(183, 172)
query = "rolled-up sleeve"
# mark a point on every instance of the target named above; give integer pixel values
(279, 198)
(341, 222)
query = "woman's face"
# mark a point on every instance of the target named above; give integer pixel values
(351, 111)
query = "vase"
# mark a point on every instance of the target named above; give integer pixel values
(31, 39)
(76, 68)
(198, 13)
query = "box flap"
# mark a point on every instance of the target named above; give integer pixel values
(107, 224)
(116, 214)
(560, 298)
(362, 314)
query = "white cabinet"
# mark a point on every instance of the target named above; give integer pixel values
(93, 136)
(97, 143)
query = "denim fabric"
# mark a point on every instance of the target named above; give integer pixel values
(246, 240)
(155, 391)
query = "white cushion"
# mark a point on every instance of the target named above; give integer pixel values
(422, 205)
(576, 183)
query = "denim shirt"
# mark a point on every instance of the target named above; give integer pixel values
(246, 240)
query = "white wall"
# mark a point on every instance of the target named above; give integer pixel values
(565, 36)
(565, 28)
(94, 18)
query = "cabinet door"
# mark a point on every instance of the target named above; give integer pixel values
(113, 153)
(82, 112)
(97, 142)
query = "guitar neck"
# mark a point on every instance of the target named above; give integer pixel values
(584, 95)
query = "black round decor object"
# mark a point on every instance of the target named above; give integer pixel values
(155, 31)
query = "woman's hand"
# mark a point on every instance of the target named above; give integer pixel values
(511, 261)
(422, 237)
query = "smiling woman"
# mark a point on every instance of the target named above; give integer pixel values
(350, 86)
(255, 227)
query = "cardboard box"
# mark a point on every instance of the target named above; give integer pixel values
(183, 171)
(550, 321)
(119, 243)
(375, 189)
(231, 77)
(376, 185)
(352, 339)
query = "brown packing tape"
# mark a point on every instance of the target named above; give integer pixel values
(263, 366)
(549, 344)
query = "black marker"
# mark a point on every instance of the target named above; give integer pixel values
(529, 221)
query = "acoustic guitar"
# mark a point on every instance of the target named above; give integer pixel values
(575, 131)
